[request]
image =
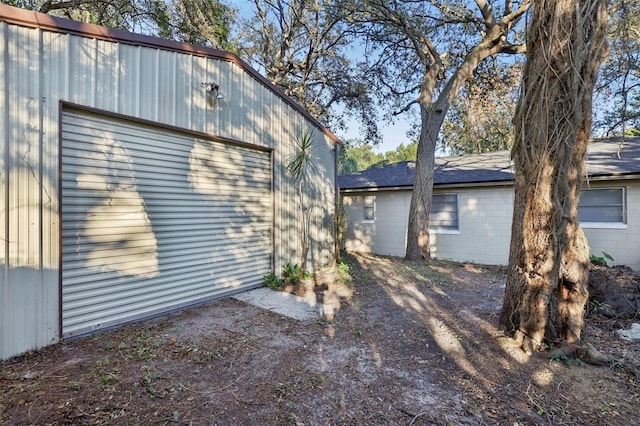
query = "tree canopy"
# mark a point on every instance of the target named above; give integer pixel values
(480, 119)
(356, 60)
(356, 155)
(203, 22)
(303, 46)
(422, 53)
(618, 89)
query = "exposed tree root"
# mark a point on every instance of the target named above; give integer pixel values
(586, 353)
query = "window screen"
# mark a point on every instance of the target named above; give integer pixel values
(444, 212)
(369, 208)
(602, 205)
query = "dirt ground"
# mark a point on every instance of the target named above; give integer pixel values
(403, 343)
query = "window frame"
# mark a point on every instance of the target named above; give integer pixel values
(371, 205)
(445, 230)
(622, 224)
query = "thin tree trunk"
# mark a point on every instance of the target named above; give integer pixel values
(432, 116)
(418, 243)
(546, 288)
(304, 226)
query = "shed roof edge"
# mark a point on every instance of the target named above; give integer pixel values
(43, 21)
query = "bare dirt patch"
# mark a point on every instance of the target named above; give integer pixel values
(407, 343)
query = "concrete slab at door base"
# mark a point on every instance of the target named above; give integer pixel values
(282, 303)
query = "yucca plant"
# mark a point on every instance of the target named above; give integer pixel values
(299, 167)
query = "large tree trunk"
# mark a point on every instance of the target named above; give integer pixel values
(546, 288)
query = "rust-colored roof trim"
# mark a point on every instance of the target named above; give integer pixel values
(33, 19)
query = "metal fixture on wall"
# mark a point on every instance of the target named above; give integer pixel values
(213, 93)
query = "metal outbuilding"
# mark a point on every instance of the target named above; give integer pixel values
(140, 176)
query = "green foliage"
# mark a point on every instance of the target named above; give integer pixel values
(356, 156)
(293, 274)
(202, 22)
(302, 161)
(632, 132)
(299, 167)
(302, 46)
(566, 359)
(605, 308)
(480, 118)
(402, 153)
(602, 260)
(343, 266)
(618, 89)
(272, 281)
(343, 272)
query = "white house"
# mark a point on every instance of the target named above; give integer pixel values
(141, 176)
(473, 205)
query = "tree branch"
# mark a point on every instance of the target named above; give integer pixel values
(487, 13)
(50, 5)
(405, 108)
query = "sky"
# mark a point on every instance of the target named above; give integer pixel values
(392, 134)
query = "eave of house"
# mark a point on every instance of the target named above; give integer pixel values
(619, 177)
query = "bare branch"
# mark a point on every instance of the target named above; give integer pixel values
(510, 18)
(405, 108)
(50, 5)
(487, 13)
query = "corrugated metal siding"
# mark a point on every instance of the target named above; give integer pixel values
(40, 68)
(27, 318)
(154, 220)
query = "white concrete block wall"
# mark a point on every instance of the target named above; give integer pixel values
(392, 217)
(484, 225)
(622, 242)
(484, 233)
(358, 233)
(386, 234)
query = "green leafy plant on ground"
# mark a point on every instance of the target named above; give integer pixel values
(343, 266)
(293, 274)
(272, 281)
(566, 359)
(601, 260)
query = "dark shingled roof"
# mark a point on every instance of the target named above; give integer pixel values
(494, 167)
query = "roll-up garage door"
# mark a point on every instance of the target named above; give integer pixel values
(154, 220)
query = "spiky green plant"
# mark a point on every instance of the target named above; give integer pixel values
(299, 168)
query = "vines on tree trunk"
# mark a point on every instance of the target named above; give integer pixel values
(546, 290)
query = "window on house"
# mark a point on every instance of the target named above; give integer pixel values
(604, 205)
(444, 212)
(369, 208)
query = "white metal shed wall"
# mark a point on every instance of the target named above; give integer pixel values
(44, 61)
(153, 220)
